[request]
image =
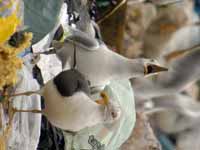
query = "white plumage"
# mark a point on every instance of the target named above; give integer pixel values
(77, 110)
(98, 63)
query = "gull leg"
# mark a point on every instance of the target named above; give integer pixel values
(32, 110)
(36, 56)
(48, 51)
(24, 93)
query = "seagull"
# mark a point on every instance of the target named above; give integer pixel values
(163, 28)
(182, 71)
(155, 2)
(84, 22)
(86, 25)
(180, 112)
(68, 105)
(180, 103)
(164, 2)
(98, 63)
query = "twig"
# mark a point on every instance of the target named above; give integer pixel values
(111, 12)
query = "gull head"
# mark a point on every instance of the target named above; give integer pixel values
(151, 66)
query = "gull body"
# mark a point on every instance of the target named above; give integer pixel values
(71, 113)
(98, 63)
(162, 29)
(68, 105)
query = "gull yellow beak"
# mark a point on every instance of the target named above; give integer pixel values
(105, 99)
(153, 68)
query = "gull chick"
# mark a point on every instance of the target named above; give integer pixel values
(68, 104)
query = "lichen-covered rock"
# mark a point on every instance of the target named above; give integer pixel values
(142, 137)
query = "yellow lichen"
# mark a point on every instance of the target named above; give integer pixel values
(10, 63)
(9, 24)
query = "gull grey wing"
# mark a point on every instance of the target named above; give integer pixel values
(182, 71)
(165, 2)
(182, 113)
(185, 69)
(181, 103)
